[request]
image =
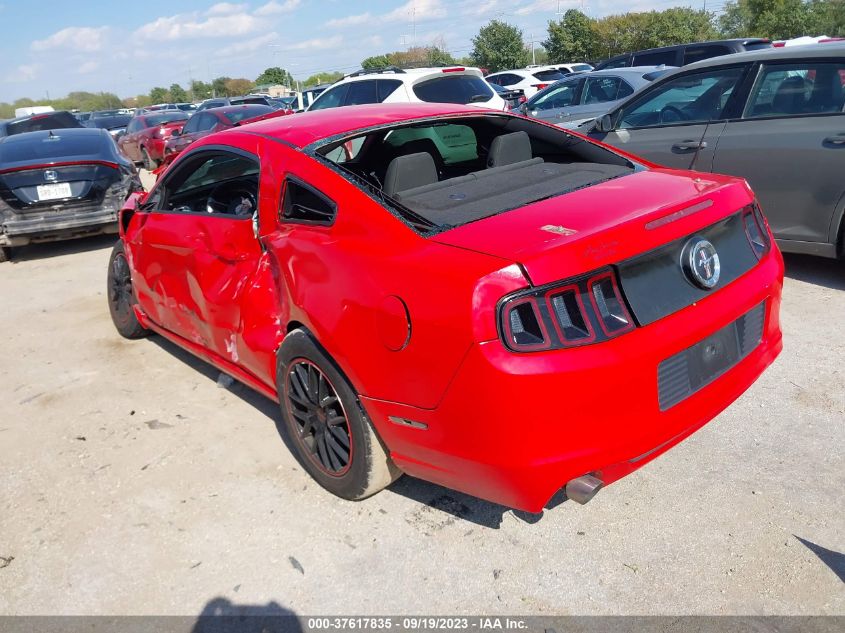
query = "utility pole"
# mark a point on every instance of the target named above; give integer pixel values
(414, 26)
(533, 54)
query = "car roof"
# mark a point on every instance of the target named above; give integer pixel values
(307, 127)
(238, 107)
(831, 50)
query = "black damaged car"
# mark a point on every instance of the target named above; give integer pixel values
(60, 183)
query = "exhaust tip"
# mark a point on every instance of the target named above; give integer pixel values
(583, 488)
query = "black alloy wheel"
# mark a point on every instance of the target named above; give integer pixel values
(317, 413)
(121, 295)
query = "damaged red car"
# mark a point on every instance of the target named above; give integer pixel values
(477, 299)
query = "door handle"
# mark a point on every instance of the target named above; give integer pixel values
(837, 139)
(686, 146)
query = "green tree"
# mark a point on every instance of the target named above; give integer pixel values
(240, 86)
(574, 38)
(498, 46)
(200, 90)
(783, 19)
(159, 95)
(218, 86)
(436, 56)
(274, 76)
(322, 78)
(178, 94)
(375, 62)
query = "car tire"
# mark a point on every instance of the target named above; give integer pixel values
(5, 254)
(147, 161)
(308, 382)
(121, 296)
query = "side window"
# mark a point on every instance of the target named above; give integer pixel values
(697, 53)
(361, 92)
(562, 96)
(494, 79)
(622, 62)
(656, 58)
(303, 203)
(691, 98)
(133, 126)
(206, 122)
(387, 87)
(213, 182)
(330, 98)
(625, 89)
(192, 124)
(797, 89)
(601, 89)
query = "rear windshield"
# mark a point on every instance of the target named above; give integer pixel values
(247, 112)
(54, 121)
(549, 75)
(260, 100)
(57, 146)
(581, 67)
(166, 117)
(440, 174)
(109, 122)
(461, 89)
(757, 46)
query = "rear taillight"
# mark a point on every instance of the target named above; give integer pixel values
(756, 230)
(577, 312)
(539, 86)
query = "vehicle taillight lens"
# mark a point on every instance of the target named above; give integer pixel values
(540, 86)
(610, 307)
(567, 314)
(523, 326)
(755, 230)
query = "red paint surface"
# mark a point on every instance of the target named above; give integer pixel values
(511, 428)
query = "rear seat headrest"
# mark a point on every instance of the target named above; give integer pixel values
(509, 148)
(408, 172)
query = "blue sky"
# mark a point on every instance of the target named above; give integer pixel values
(127, 48)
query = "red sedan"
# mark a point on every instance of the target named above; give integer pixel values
(146, 135)
(481, 300)
(216, 120)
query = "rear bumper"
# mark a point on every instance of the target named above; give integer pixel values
(20, 230)
(515, 428)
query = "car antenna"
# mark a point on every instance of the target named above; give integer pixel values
(699, 146)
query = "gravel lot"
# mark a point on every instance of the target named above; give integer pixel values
(131, 483)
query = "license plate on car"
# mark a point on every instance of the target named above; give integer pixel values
(54, 191)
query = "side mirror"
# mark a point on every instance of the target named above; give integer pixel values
(604, 123)
(176, 132)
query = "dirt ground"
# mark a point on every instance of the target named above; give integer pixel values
(131, 483)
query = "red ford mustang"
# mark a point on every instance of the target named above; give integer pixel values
(473, 298)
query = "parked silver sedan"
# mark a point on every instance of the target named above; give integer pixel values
(579, 99)
(775, 117)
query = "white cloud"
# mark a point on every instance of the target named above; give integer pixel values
(549, 6)
(191, 26)
(88, 67)
(251, 45)
(275, 8)
(319, 43)
(87, 39)
(226, 8)
(25, 72)
(419, 10)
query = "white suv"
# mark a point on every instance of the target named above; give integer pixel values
(413, 85)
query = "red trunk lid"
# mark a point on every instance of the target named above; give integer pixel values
(599, 225)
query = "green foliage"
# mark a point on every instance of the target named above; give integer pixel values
(783, 19)
(572, 39)
(322, 78)
(159, 95)
(200, 90)
(274, 76)
(178, 94)
(499, 46)
(414, 57)
(218, 86)
(240, 86)
(84, 101)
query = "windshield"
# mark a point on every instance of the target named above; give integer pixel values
(247, 112)
(165, 117)
(52, 121)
